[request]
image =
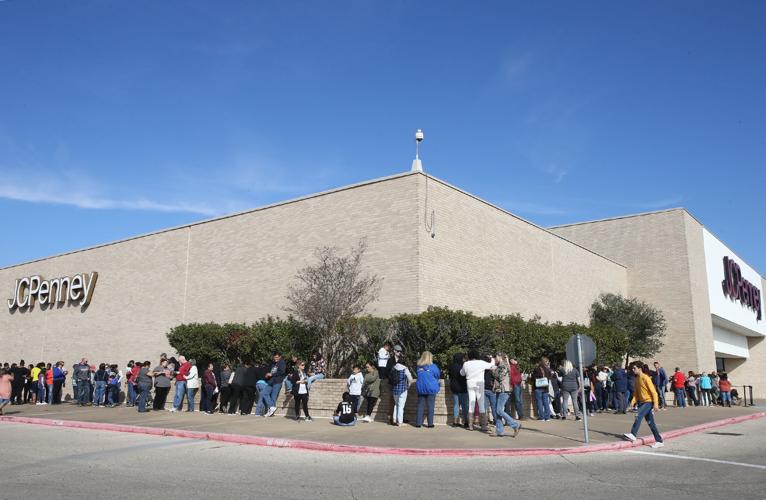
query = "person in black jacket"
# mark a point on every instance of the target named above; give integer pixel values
(459, 390)
(248, 389)
(300, 390)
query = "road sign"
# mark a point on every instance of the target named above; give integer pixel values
(588, 350)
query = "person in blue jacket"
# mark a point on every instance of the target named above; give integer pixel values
(428, 387)
(620, 379)
(660, 382)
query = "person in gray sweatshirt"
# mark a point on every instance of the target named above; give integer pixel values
(570, 384)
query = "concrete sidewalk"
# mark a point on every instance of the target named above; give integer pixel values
(604, 427)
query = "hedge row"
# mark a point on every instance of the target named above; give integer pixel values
(442, 331)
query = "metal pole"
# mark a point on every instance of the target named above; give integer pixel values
(583, 407)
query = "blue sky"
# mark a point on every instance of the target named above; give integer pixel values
(120, 118)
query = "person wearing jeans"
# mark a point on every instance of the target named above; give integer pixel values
(192, 385)
(541, 378)
(183, 370)
(428, 387)
(501, 386)
(459, 389)
(648, 402)
(570, 384)
(399, 391)
(274, 379)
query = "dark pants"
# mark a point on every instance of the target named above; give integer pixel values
(57, 385)
(370, 405)
(301, 400)
(16, 390)
(248, 398)
(234, 398)
(160, 396)
(143, 396)
(211, 397)
(225, 393)
(620, 404)
(430, 401)
(355, 402)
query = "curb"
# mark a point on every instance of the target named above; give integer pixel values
(376, 450)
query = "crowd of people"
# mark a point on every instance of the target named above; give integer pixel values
(485, 390)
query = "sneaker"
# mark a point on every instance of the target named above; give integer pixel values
(309, 419)
(630, 437)
(271, 411)
(367, 419)
(516, 431)
(657, 444)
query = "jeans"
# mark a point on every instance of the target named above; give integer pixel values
(518, 401)
(726, 398)
(264, 392)
(661, 394)
(705, 397)
(99, 396)
(143, 396)
(570, 395)
(40, 393)
(490, 401)
(337, 421)
(542, 398)
(692, 392)
(131, 393)
(501, 415)
(178, 400)
(191, 392)
(423, 400)
(399, 401)
(50, 393)
(288, 386)
(476, 395)
(113, 394)
(680, 398)
(460, 406)
(314, 378)
(83, 392)
(645, 412)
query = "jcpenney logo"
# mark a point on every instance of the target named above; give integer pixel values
(737, 288)
(77, 290)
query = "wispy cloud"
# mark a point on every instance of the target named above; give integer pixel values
(79, 191)
(556, 172)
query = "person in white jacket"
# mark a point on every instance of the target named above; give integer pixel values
(473, 370)
(192, 385)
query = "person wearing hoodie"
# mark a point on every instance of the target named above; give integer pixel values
(428, 387)
(473, 370)
(399, 390)
(459, 390)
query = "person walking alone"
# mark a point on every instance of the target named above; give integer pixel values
(648, 403)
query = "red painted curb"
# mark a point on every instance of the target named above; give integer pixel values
(346, 448)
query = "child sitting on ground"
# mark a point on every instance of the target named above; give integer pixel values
(345, 415)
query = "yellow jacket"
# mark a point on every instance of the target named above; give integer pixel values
(645, 391)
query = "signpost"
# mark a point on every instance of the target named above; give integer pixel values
(581, 351)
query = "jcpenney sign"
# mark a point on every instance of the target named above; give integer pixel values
(737, 288)
(77, 290)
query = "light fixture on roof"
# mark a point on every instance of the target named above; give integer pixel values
(417, 165)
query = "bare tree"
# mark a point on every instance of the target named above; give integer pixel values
(333, 289)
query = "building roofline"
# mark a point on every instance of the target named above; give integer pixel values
(629, 216)
(215, 219)
(447, 184)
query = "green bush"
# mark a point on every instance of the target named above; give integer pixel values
(439, 330)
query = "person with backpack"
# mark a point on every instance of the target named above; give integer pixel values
(428, 387)
(399, 378)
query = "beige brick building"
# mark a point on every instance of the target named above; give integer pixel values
(432, 243)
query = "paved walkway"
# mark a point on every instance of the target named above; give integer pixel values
(604, 427)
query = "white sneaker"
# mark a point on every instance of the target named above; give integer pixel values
(272, 411)
(630, 437)
(657, 444)
(366, 419)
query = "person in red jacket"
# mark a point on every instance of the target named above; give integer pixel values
(183, 371)
(679, 388)
(516, 390)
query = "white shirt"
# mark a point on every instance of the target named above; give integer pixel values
(383, 356)
(355, 383)
(302, 389)
(474, 371)
(192, 379)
